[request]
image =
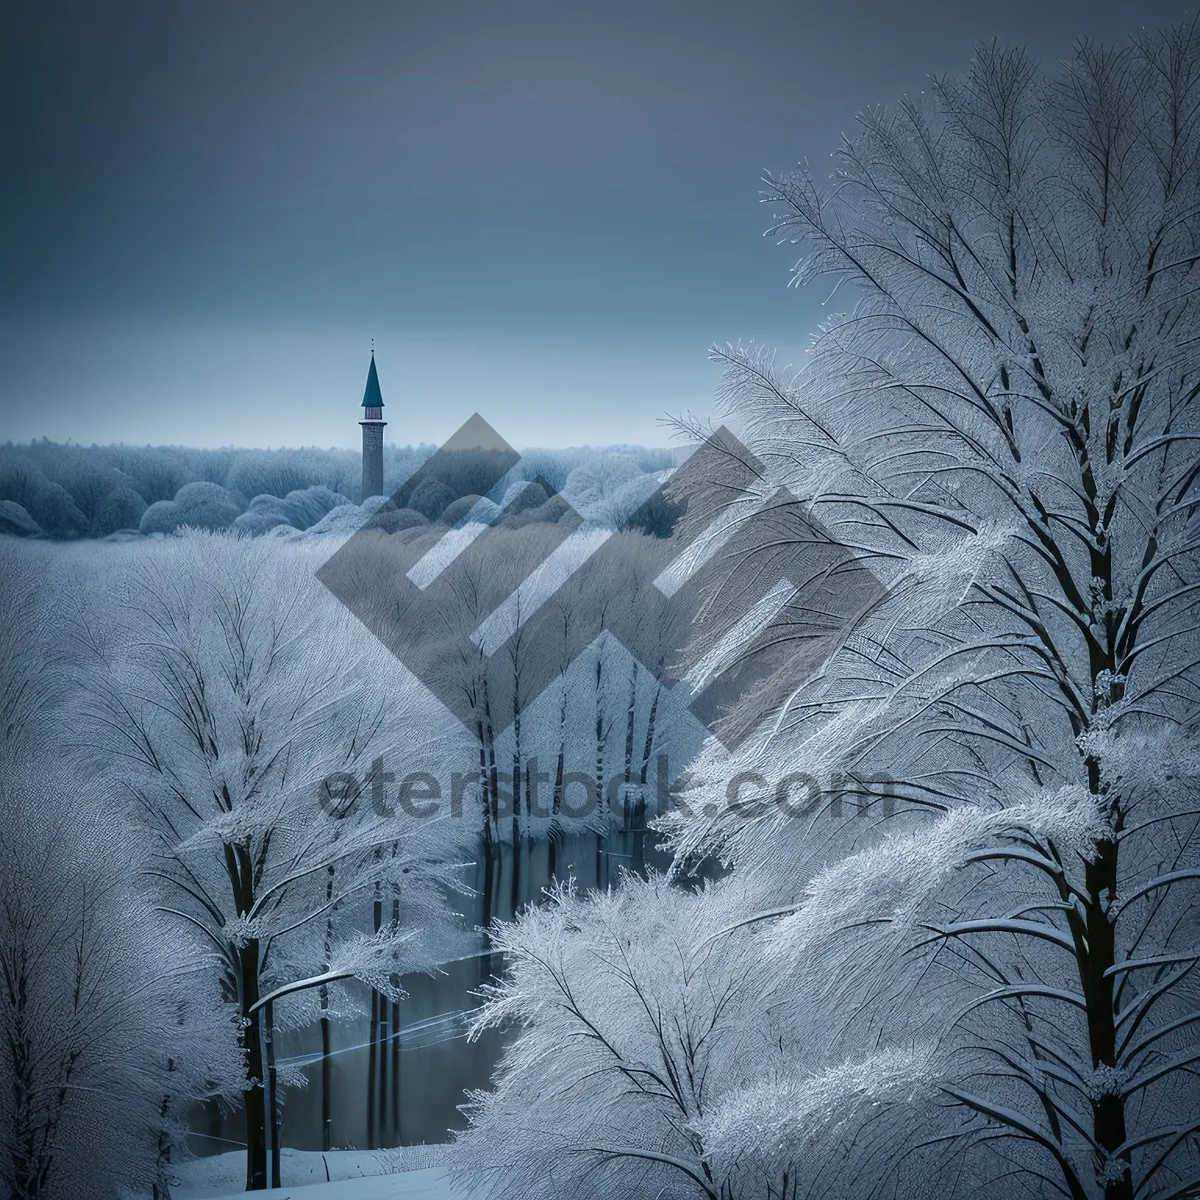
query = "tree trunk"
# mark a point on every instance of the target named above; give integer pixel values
(372, 1070)
(326, 1074)
(273, 1112)
(514, 896)
(556, 802)
(373, 1047)
(159, 1190)
(601, 740)
(515, 892)
(256, 1114)
(1097, 954)
(516, 774)
(648, 746)
(326, 1031)
(489, 832)
(1108, 1112)
(630, 718)
(28, 1166)
(493, 777)
(384, 1037)
(396, 1039)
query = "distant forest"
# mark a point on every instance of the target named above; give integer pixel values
(65, 491)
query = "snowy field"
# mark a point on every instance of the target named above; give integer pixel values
(406, 1173)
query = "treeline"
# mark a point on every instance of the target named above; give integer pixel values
(67, 491)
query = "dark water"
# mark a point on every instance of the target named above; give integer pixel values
(425, 1069)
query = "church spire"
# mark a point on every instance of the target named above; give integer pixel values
(372, 396)
(372, 433)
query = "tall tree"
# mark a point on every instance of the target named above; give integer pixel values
(983, 969)
(246, 719)
(1005, 429)
(110, 1027)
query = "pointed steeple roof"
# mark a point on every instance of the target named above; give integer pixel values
(372, 396)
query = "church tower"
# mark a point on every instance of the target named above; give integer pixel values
(372, 427)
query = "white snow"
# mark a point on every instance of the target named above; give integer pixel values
(336, 1175)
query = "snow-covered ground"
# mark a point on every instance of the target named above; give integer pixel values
(407, 1173)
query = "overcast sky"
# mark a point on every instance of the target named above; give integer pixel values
(545, 212)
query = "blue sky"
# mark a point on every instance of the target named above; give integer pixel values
(545, 212)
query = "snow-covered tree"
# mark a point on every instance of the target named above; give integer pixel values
(16, 521)
(31, 683)
(201, 505)
(55, 511)
(122, 508)
(981, 971)
(21, 479)
(251, 724)
(111, 1025)
(632, 1026)
(299, 510)
(1005, 430)
(607, 489)
(109, 1030)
